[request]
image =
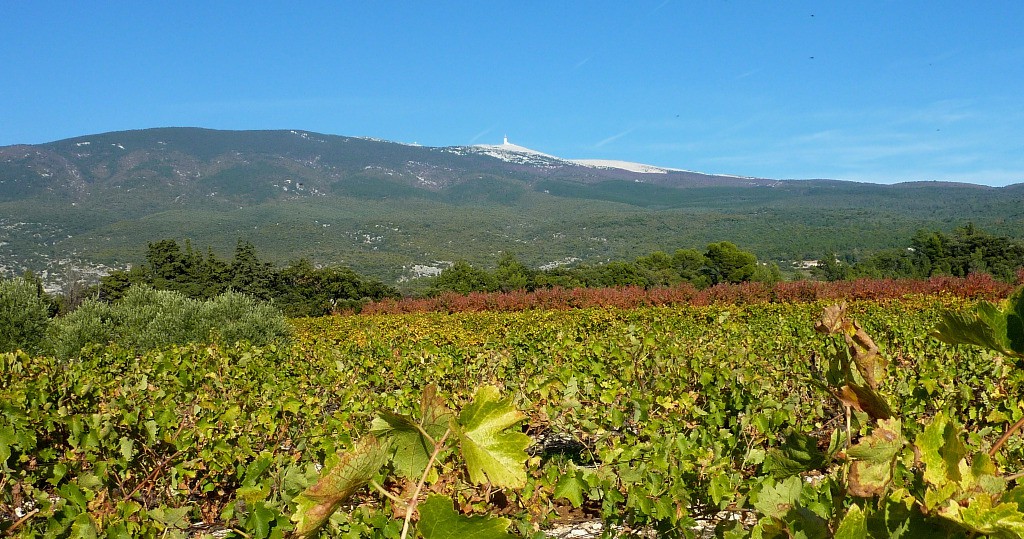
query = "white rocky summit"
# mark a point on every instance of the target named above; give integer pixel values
(514, 153)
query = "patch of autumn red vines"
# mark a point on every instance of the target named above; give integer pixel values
(975, 286)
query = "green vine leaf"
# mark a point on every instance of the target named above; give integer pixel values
(984, 475)
(800, 454)
(354, 470)
(411, 449)
(1015, 322)
(942, 451)
(414, 442)
(777, 499)
(980, 516)
(435, 416)
(438, 520)
(999, 328)
(980, 328)
(492, 452)
(853, 526)
(571, 487)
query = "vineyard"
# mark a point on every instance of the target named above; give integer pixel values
(653, 420)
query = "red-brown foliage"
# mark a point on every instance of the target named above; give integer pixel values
(975, 286)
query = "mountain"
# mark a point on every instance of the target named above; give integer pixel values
(387, 208)
(254, 165)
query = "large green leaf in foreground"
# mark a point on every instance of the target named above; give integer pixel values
(414, 442)
(438, 520)
(492, 452)
(999, 328)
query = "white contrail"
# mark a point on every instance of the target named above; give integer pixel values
(477, 136)
(614, 137)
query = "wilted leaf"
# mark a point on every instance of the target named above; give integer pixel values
(438, 520)
(354, 470)
(832, 319)
(856, 372)
(492, 452)
(866, 400)
(865, 355)
(872, 459)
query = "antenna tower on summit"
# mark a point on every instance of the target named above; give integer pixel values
(506, 140)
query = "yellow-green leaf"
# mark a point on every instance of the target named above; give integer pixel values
(493, 453)
(853, 526)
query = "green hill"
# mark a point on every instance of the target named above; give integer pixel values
(383, 207)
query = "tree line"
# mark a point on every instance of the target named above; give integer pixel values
(721, 262)
(302, 289)
(298, 289)
(965, 251)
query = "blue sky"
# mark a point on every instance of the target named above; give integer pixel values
(867, 91)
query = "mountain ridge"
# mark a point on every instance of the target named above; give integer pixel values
(384, 207)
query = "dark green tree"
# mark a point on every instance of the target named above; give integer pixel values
(615, 274)
(166, 263)
(463, 278)
(214, 274)
(766, 272)
(659, 269)
(114, 286)
(300, 289)
(690, 264)
(559, 277)
(830, 268)
(728, 264)
(24, 315)
(511, 274)
(249, 274)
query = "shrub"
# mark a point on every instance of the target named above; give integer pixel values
(232, 317)
(24, 316)
(90, 323)
(147, 319)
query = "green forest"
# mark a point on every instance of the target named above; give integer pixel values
(302, 289)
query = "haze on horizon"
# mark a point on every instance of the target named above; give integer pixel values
(877, 91)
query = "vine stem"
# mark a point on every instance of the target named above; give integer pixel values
(152, 475)
(1006, 436)
(411, 508)
(22, 520)
(849, 435)
(389, 495)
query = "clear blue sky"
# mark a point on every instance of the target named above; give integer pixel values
(870, 91)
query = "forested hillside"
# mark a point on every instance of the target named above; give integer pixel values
(395, 212)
